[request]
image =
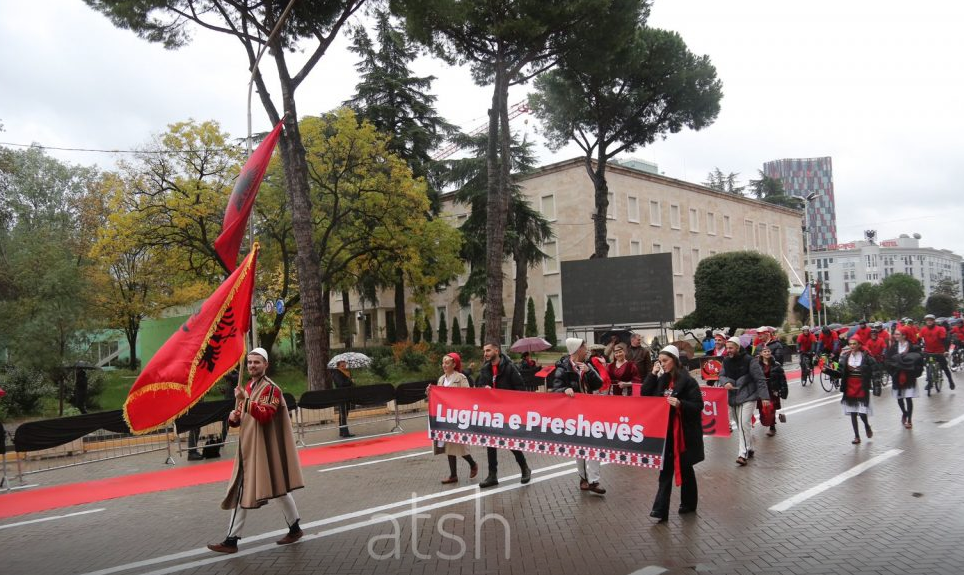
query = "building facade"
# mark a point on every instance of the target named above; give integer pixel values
(842, 267)
(648, 213)
(802, 177)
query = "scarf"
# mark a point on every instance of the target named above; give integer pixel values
(679, 444)
(345, 372)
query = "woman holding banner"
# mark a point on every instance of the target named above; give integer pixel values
(684, 436)
(452, 376)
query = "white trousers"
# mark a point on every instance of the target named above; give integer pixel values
(239, 514)
(588, 469)
(742, 414)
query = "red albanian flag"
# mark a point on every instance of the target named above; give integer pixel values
(209, 345)
(242, 198)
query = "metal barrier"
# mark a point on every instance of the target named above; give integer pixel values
(60, 443)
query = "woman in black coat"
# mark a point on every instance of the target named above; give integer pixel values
(682, 393)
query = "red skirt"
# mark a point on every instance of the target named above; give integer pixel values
(855, 387)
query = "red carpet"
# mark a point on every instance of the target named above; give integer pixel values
(44, 499)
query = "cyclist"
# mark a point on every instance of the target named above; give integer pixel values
(934, 339)
(875, 345)
(806, 345)
(826, 341)
(863, 332)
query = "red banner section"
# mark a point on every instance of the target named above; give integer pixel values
(625, 430)
(716, 413)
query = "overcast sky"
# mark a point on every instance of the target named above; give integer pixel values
(876, 85)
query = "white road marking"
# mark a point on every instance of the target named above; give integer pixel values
(826, 401)
(326, 470)
(952, 422)
(41, 520)
(350, 439)
(360, 524)
(811, 402)
(649, 570)
(834, 481)
(25, 486)
(336, 519)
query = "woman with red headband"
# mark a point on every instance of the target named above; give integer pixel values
(452, 376)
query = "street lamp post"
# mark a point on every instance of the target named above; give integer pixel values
(806, 250)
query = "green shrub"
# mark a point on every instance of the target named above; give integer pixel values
(381, 364)
(25, 389)
(413, 360)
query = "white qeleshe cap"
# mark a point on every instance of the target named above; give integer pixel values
(260, 351)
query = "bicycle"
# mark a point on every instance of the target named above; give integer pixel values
(806, 368)
(829, 374)
(957, 358)
(935, 376)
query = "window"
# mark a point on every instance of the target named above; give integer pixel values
(696, 259)
(657, 249)
(464, 313)
(556, 306)
(711, 223)
(674, 217)
(655, 215)
(680, 307)
(635, 248)
(776, 241)
(632, 209)
(762, 241)
(611, 208)
(550, 265)
(749, 230)
(548, 208)
(694, 220)
(727, 230)
(613, 252)
(677, 261)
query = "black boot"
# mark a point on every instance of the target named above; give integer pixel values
(526, 474)
(489, 481)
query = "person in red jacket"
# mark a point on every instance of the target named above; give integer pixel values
(957, 334)
(806, 341)
(876, 346)
(934, 339)
(826, 341)
(863, 332)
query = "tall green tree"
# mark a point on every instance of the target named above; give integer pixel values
(310, 28)
(526, 228)
(610, 101)
(948, 286)
(505, 43)
(456, 331)
(549, 324)
(941, 305)
(864, 300)
(739, 289)
(721, 182)
(771, 190)
(469, 331)
(900, 294)
(398, 103)
(443, 329)
(532, 330)
(45, 236)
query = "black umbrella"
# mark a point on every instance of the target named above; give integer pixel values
(624, 336)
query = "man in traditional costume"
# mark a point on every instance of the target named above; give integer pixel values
(267, 465)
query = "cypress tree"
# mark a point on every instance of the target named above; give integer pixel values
(532, 330)
(443, 329)
(549, 324)
(469, 332)
(456, 331)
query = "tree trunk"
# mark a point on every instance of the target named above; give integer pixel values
(314, 308)
(600, 222)
(401, 323)
(131, 332)
(496, 208)
(324, 352)
(519, 305)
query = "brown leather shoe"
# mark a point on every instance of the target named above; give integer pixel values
(290, 538)
(473, 471)
(583, 485)
(448, 480)
(222, 548)
(596, 488)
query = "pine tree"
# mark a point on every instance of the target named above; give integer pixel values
(456, 331)
(417, 327)
(549, 323)
(469, 332)
(427, 333)
(532, 330)
(443, 329)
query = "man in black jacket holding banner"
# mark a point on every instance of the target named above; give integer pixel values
(499, 372)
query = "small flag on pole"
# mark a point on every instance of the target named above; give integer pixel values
(204, 349)
(242, 198)
(804, 298)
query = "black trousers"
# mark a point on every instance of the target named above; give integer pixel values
(493, 454)
(689, 494)
(343, 419)
(942, 362)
